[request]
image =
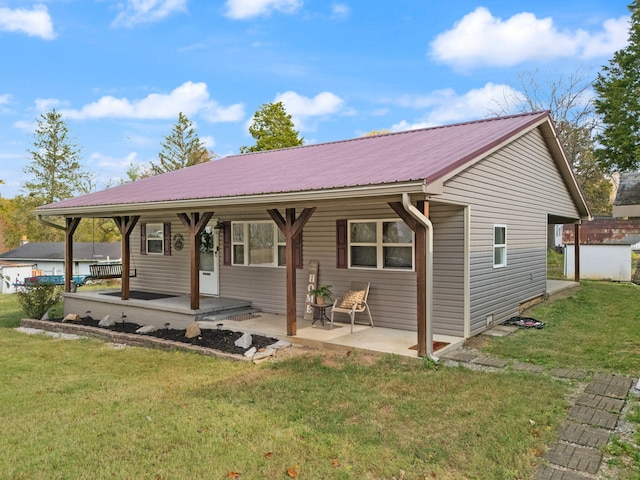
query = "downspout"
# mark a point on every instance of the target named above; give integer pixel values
(419, 216)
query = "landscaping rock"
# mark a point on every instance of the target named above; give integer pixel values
(72, 317)
(45, 316)
(250, 352)
(279, 345)
(244, 341)
(267, 352)
(147, 329)
(192, 331)
(106, 321)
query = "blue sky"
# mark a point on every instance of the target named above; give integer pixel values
(121, 71)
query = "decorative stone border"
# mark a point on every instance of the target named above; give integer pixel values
(131, 339)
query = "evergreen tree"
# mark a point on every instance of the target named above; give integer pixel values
(55, 168)
(182, 148)
(272, 129)
(618, 103)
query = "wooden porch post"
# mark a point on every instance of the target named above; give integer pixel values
(195, 223)
(71, 225)
(576, 246)
(291, 227)
(421, 269)
(126, 226)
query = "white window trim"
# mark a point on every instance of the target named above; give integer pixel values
(379, 244)
(499, 245)
(148, 237)
(245, 244)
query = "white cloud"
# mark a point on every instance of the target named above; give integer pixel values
(35, 22)
(340, 11)
(5, 100)
(403, 125)
(479, 39)
(189, 98)
(614, 37)
(147, 11)
(46, 104)
(113, 163)
(301, 108)
(243, 9)
(447, 106)
(208, 141)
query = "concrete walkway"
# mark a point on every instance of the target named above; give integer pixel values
(590, 422)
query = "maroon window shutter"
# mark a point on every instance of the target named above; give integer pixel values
(167, 238)
(226, 243)
(143, 239)
(341, 244)
(297, 249)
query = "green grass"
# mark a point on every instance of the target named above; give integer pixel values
(555, 265)
(83, 409)
(597, 329)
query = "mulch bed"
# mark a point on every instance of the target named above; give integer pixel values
(221, 340)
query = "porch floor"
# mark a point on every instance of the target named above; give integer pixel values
(364, 337)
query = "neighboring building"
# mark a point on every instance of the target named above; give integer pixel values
(47, 258)
(605, 248)
(627, 201)
(448, 224)
(13, 274)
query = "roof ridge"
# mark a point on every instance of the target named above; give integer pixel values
(401, 132)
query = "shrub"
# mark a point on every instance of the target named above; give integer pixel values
(36, 300)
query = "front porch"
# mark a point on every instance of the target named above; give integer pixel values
(159, 309)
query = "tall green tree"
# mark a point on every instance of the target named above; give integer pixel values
(570, 104)
(618, 103)
(55, 168)
(181, 148)
(272, 128)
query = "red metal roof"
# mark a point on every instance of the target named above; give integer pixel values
(426, 154)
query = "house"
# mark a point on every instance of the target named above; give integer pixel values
(627, 201)
(449, 226)
(48, 258)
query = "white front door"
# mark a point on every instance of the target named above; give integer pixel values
(209, 250)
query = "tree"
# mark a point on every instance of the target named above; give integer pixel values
(618, 103)
(272, 129)
(182, 148)
(570, 105)
(55, 162)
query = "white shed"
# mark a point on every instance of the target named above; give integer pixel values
(600, 262)
(12, 274)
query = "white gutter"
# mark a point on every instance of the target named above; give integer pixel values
(417, 214)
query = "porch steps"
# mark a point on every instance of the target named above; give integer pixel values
(227, 314)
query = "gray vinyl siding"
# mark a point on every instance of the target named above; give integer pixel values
(448, 268)
(518, 186)
(158, 272)
(392, 297)
(392, 294)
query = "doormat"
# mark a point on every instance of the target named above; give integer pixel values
(436, 346)
(139, 295)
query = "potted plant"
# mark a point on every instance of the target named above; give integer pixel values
(322, 293)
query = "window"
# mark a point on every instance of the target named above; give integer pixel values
(258, 244)
(155, 238)
(499, 246)
(380, 244)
